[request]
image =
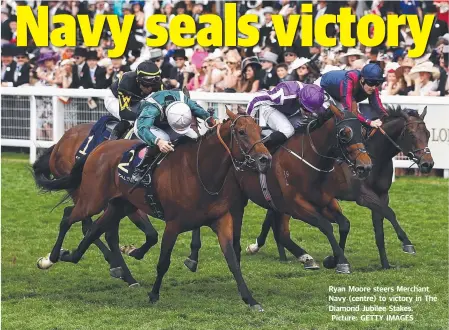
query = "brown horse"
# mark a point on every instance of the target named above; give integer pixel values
(180, 182)
(297, 179)
(58, 161)
(409, 135)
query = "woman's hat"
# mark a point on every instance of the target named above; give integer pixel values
(253, 60)
(425, 67)
(67, 61)
(269, 57)
(47, 56)
(353, 52)
(298, 62)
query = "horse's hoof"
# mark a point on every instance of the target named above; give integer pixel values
(116, 272)
(330, 262)
(343, 269)
(135, 285)
(410, 249)
(252, 249)
(191, 264)
(256, 308)
(153, 297)
(311, 265)
(44, 262)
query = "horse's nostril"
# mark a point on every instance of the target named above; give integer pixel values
(425, 165)
(263, 159)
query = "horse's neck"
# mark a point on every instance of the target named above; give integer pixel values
(381, 148)
(214, 161)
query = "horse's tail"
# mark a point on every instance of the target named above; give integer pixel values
(41, 166)
(69, 182)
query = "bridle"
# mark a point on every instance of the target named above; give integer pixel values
(413, 153)
(239, 165)
(344, 153)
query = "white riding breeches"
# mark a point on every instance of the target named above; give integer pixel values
(167, 134)
(277, 121)
(112, 105)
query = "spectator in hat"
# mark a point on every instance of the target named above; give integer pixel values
(96, 77)
(403, 76)
(249, 81)
(118, 67)
(5, 30)
(64, 76)
(8, 65)
(22, 71)
(424, 76)
(79, 68)
(350, 56)
(269, 78)
(391, 85)
(197, 82)
(305, 71)
(289, 57)
(46, 72)
(315, 52)
(266, 28)
(179, 75)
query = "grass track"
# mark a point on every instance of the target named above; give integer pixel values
(83, 296)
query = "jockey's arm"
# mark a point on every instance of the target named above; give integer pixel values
(347, 98)
(125, 107)
(271, 97)
(376, 103)
(145, 121)
(197, 110)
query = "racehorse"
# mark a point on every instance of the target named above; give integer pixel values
(297, 179)
(406, 132)
(180, 184)
(59, 161)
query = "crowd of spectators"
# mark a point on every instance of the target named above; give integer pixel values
(227, 69)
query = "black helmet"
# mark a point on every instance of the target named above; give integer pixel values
(148, 74)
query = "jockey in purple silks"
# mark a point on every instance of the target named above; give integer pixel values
(283, 106)
(345, 87)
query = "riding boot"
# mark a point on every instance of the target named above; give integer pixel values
(142, 166)
(119, 130)
(275, 140)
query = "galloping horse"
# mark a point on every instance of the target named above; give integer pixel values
(180, 183)
(408, 134)
(297, 179)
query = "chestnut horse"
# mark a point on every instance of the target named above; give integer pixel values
(180, 183)
(409, 135)
(297, 179)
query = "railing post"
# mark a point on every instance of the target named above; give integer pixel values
(33, 129)
(58, 119)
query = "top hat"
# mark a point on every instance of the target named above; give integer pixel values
(92, 55)
(80, 51)
(179, 53)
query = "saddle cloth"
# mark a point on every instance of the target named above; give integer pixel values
(99, 133)
(135, 165)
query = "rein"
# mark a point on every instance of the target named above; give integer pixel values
(238, 165)
(411, 154)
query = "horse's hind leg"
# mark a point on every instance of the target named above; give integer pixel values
(191, 261)
(281, 231)
(143, 223)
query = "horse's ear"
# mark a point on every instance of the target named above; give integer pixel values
(241, 110)
(337, 112)
(186, 92)
(424, 113)
(230, 113)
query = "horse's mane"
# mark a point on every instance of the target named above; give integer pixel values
(398, 111)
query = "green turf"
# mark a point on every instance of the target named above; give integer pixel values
(83, 296)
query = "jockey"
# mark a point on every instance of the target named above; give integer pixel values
(166, 116)
(352, 87)
(283, 107)
(126, 93)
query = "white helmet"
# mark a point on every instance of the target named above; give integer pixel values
(179, 116)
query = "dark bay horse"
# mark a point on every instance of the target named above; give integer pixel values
(58, 161)
(297, 180)
(181, 182)
(409, 135)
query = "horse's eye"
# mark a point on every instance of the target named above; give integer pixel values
(242, 132)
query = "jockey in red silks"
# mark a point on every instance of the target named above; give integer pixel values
(351, 87)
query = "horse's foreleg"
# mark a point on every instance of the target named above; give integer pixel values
(143, 223)
(378, 224)
(223, 227)
(191, 261)
(281, 230)
(169, 238)
(86, 224)
(260, 240)
(64, 226)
